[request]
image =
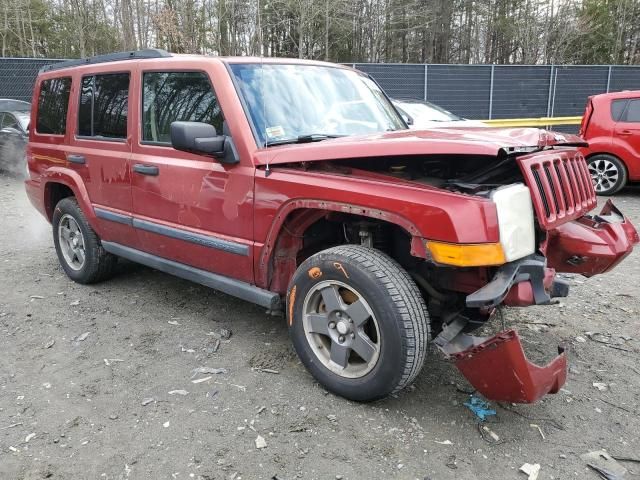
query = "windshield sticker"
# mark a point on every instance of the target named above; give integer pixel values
(275, 132)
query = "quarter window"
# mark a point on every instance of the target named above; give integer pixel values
(176, 96)
(52, 106)
(103, 106)
(633, 111)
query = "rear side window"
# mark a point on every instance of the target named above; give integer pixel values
(633, 111)
(176, 96)
(617, 109)
(104, 100)
(52, 106)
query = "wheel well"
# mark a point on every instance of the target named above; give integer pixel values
(53, 193)
(306, 232)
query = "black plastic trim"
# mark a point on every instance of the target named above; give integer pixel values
(227, 285)
(199, 239)
(113, 217)
(531, 268)
(110, 57)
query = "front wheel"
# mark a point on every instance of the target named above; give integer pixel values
(358, 322)
(608, 174)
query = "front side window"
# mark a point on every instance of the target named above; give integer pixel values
(289, 102)
(633, 111)
(103, 106)
(176, 96)
(53, 103)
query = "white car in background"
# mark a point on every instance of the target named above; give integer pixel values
(420, 114)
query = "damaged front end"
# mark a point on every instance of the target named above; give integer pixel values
(571, 241)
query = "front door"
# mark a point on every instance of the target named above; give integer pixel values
(189, 208)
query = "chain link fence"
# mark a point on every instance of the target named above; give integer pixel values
(503, 91)
(471, 91)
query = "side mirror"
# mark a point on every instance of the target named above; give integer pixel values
(197, 137)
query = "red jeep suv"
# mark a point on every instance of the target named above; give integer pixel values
(611, 126)
(296, 185)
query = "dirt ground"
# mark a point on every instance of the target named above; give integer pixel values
(87, 375)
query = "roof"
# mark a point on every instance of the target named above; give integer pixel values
(155, 53)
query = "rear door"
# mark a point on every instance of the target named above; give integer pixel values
(189, 208)
(100, 149)
(627, 132)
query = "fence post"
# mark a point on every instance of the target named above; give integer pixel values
(493, 68)
(551, 89)
(425, 82)
(609, 79)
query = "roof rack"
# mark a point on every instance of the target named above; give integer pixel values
(109, 57)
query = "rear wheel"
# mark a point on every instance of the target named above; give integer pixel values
(78, 247)
(358, 322)
(608, 173)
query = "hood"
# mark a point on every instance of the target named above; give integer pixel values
(440, 141)
(425, 124)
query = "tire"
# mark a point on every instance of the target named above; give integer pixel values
(97, 263)
(608, 173)
(354, 296)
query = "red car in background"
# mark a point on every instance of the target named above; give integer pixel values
(611, 125)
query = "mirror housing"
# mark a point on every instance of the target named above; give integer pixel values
(202, 138)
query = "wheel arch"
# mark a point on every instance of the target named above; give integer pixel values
(278, 258)
(60, 183)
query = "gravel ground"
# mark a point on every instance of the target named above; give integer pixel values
(97, 382)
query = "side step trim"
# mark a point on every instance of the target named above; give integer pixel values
(236, 288)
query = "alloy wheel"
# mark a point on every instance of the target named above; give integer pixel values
(605, 174)
(341, 329)
(71, 242)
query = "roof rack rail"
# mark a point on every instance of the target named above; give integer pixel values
(109, 57)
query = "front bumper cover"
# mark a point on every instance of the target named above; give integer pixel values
(498, 368)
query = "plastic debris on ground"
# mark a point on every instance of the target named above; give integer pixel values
(532, 470)
(604, 464)
(479, 407)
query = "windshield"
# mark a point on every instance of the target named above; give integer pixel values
(287, 102)
(425, 111)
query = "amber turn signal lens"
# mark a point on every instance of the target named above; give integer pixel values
(467, 255)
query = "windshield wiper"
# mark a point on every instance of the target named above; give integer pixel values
(312, 137)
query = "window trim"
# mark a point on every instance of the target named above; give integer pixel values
(35, 126)
(152, 143)
(100, 138)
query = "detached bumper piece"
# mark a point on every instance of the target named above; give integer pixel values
(499, 370)
(592, 244)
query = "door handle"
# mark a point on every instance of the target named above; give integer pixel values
(146, 169)
(79, 159)
(625, 132)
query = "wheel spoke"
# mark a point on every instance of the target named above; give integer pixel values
(358, 313)
(340, 354)
(65, 232)
(73, 226)
(331, 298)
(363, 346)
(318, 323)
(80, 255)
